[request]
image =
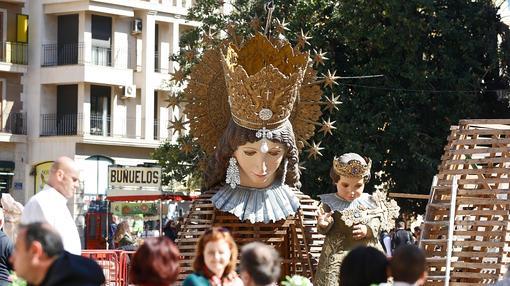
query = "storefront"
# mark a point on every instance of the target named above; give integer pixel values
(6, 176)
(134, 194)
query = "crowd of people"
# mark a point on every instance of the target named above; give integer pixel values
(45, 249)
(39, 258)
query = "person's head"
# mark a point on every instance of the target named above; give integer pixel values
(408, 264)
(115, 219)
(417, 231)
(216, 252)
(36, 248)
(401, 224)
(350, 172)
(363, 266)
(64, 176)
(260, 264)
(256, 168)
(122, 229)
(155, 263)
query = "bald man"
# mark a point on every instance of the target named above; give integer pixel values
(50, 204)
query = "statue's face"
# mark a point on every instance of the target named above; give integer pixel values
(258, 169)
(350, 188)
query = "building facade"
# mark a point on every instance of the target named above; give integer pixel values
(87, 82)
(13, 67)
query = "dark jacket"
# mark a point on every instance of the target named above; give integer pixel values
(5, 252)
(401, 237)
(70, 269)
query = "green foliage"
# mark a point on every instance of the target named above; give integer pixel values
(440, 60)
(177, 165)
(17, 281)
(296, 280)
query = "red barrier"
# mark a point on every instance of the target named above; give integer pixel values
(125, 265)
(110, 261)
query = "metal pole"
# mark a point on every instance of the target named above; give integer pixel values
(431, 197)
(449, 248)
(107, 224)
(160, 218)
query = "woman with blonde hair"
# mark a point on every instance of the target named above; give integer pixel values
(122, 237)
(215, 260)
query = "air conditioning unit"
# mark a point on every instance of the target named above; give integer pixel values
(129, 91)
(137, 26)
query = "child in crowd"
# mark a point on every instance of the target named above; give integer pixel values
(408, 266)
(260, 264)
(363, 266)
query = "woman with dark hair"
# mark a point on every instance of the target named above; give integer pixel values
(155, 263)
(364, 266)
(344, 219)
(215, 260)
(250, 109)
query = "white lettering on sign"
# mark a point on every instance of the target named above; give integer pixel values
(119, 177)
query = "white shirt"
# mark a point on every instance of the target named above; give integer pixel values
(50, 206)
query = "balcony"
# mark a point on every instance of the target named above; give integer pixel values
(74, 54)
(16, 124)
(82, 63)
(13, 57)
(97, 125)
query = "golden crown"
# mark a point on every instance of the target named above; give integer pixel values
(262, 82)
(353, 168)
(259, 85)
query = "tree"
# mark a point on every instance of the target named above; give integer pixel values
(440, 60)
(177, 161)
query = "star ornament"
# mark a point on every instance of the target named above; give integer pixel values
(332, 102)
(315, 150)
(189, 55)
(255, 23)
(327, 126)
(330, 79)
(177, 125)
(208, 38)
(281, 26)
(173, 101)
(319, 57)
(186, 148)
(302, 39)
(178, 76)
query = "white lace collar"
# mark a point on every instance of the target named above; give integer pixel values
(274, 203)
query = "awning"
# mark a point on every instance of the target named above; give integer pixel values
(163, 197)
(6, 166)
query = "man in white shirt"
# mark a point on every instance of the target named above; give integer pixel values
(50, 204)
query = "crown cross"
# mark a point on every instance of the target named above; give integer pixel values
(264, 133)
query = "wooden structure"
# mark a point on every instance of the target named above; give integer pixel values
(296, 237)
(478, 155)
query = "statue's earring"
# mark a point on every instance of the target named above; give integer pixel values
(233, 177)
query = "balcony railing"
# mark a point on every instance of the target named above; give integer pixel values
(74, 54)
(175, 3)
(100, 125)
(157, 64)
(60, 124)
(16, 124)
(14, 53)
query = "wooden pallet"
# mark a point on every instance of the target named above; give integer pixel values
(478, 154)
